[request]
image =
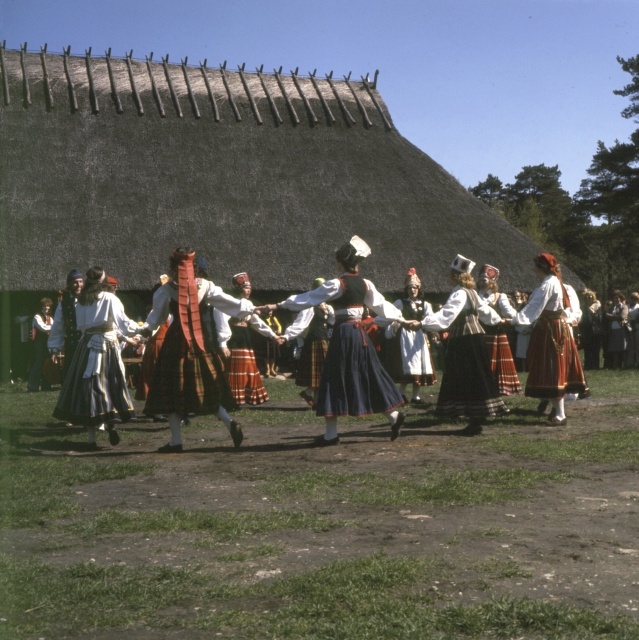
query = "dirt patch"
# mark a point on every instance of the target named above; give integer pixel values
(574, 542)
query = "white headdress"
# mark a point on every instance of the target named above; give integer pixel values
(362, 250)
(462, 265)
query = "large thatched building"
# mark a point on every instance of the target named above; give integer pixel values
(115, 161)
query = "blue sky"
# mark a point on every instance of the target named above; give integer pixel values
(482, 86)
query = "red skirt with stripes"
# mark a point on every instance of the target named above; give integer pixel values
(245, 379)
(553, 360)
(502, 364)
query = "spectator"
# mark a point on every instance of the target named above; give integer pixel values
(591, 330)
(41, 327)
(618, 342)
(633, 325)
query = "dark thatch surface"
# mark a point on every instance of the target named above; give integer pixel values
(89, 175)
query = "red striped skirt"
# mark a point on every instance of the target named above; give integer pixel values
(245, 379)
(502, 364)
(553, 360)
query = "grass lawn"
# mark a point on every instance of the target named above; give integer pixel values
(414, 539)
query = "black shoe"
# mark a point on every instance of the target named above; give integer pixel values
(541, 407)
(585, 395)
(92, 446)
(473, 429)
(114, 436)
(321, 441)
(170, 448)
(160, 419)
(236, 434)
(395, 428)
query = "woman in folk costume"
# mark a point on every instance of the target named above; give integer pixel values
(353, 382)
(94, 391)
(468, 387)
(234, 336)
(406, 352)
(152, 350)
(314, 325)
(501, 357)
(553, 360)
(185, 378)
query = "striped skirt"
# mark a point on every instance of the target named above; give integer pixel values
(502, 364)
(151, 353)
(353, 382)
(468, 388)
(185, 380)
(99, 398)
(553, 360)
(311, 364)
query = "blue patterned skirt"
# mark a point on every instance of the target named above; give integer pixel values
(354, 382)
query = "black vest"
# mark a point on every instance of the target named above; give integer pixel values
(353, 292)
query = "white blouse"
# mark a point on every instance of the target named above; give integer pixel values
(456, 303)
(331, 290)
(505, 309)
(548, 296)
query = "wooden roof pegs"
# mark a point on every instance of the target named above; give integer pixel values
(167, 75)
(26, 91)
(269, 97)
(134, 89)
(387, 124)
(249, 95)
(236, 111)
(216, 111)
(154, 89)
(114, 91)
(349, 118)
(185, 72)
(93, 97)
(5, 81)
(48, 95)
(358, 102)
(73, 100)
(307, 104)
(287, 100)
(327, 109)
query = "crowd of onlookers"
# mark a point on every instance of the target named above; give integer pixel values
(607, 334)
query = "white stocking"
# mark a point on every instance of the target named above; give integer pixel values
(331, 428)
(559, 408)
(224, 416)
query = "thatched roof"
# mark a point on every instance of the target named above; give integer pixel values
(117, 161)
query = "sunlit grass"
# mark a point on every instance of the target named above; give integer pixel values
(468, 487)
(612, 447)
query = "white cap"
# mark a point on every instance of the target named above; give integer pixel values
(462, 265)
(362, 250)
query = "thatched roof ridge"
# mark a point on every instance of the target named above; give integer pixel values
(267, 173)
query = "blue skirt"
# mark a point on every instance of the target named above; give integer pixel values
(102, 397)
(353, 382)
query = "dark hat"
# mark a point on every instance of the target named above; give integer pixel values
(74, 274)
(201, 263)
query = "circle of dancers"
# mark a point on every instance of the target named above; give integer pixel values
(359, 353)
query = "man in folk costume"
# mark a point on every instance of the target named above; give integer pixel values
(185, 379)
(553, 359)
(64, 331)
(405, 353)
(501, 357)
